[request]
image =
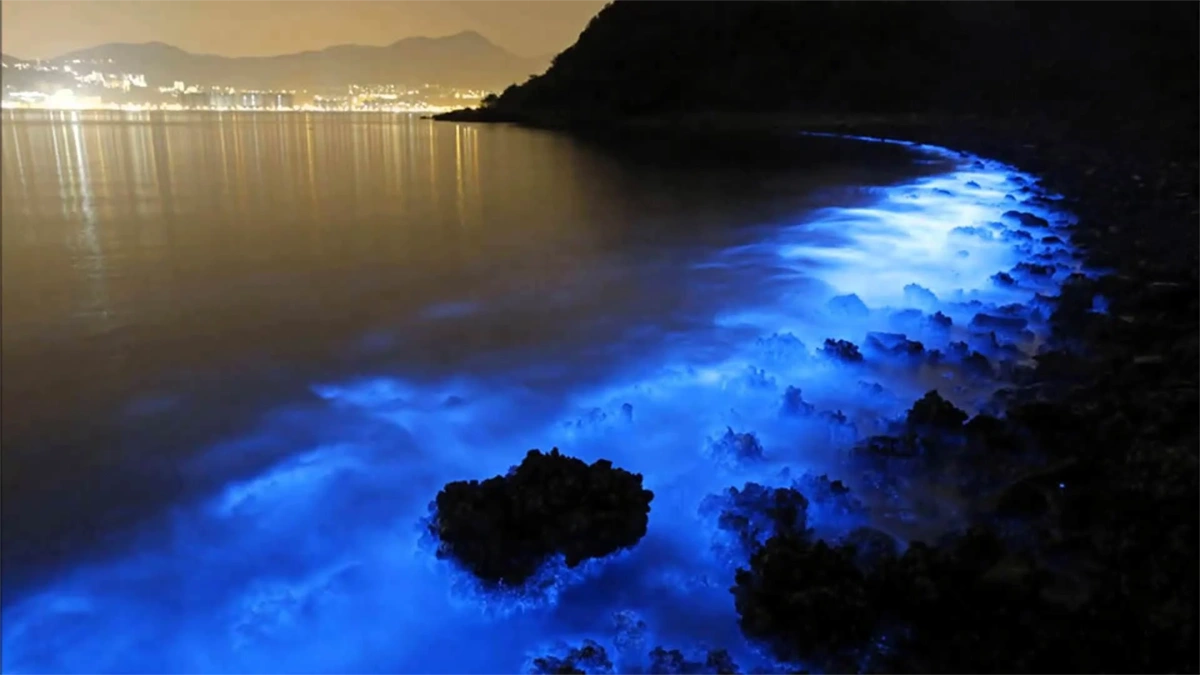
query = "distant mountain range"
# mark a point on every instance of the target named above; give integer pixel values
(467, 60)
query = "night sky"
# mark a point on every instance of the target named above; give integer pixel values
(41, 29)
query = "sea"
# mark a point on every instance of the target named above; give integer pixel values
(243, 351)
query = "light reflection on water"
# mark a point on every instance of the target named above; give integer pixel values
(451, 296)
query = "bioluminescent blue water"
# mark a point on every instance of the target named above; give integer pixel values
(319, 563)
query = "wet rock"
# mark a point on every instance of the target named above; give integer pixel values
(941, 321)
(978, 365)
(782, 348)
(629, 633)
(871, 388)
(756, 512)
(987, 433)
(831, 496)
(972, 231)
(1051, 239)
(803, 599)
(871, 547)
(841, 429)
(842, 350)
(673, 662)
(1017, 235)
(505, 528)
(990, 322)
(794, 404)
(1033, 269)
(756, 378)
(894, 344)
(739, 447)
(943, 192)
(848, 305)
(590, 658)
(883, 445)
(919, 296)
(1003, 279)
(1026, 219)
(934, 412)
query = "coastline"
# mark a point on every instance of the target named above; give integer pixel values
(1118, 392)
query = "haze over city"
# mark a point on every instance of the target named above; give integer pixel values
(42, 30)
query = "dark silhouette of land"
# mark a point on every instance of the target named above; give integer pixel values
(642, 59)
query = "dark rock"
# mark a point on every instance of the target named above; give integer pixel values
(756, 512)
(589, 659)
(894, 344)
(831, 496)
(842, 350)
(872, 548)
(740, 447)
(673, 662)
(986, 433)
(933, 411)
(505, 528)
(940, 320)
(902, 447)
(804, 600)
(977, 364)
(1026, 219)
(1017, 235)
(1003, 279)
(990, 322)
(1034, 270)
(1022, 500)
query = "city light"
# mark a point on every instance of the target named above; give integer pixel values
(94, 86)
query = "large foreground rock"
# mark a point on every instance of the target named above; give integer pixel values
(505, 528)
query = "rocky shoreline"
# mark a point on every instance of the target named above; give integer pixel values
(1110, 407)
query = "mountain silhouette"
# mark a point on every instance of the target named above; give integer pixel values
(653, 58)
(465, 59)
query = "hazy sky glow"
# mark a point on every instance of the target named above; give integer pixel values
(48, 28)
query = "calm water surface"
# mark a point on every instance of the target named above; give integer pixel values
(168, 277)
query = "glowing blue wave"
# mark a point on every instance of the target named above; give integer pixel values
(319, 564)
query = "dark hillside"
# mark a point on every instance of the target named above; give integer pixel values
(639, 58)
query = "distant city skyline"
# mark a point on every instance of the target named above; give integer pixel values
(40, 29)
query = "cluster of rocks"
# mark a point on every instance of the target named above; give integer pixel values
(1084, 553)
(505, 528)
(591, 659)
